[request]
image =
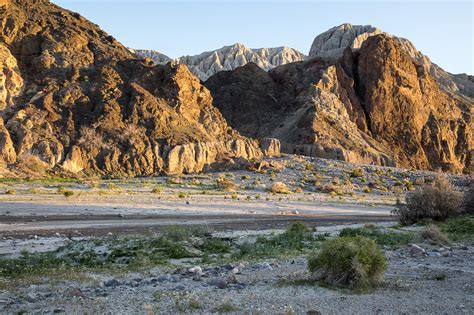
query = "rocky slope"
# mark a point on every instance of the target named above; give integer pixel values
(375, 105)
(156, 56)
(332, 43)
(73, 99)
(230, 58)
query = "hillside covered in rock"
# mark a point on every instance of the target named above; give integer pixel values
(230, 57)
(74, 100)
(373, 104)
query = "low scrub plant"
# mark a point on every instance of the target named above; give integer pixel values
(352, 262)
(437, 201)
(280, 188)
(433, 234)
(226, 184)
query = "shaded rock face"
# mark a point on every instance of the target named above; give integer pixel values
(331, 45)
(229, 58)
(75, 99)
(375, 105)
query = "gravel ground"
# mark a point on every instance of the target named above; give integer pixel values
(439, 282)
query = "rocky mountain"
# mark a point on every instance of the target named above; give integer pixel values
(156, 56)
(74, 100)
(375, 103)
(230, 58)
(332, 43)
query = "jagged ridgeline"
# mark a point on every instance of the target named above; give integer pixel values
(73, 99)
(362, 96)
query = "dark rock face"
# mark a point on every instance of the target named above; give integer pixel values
(76, 100)
(375, 105)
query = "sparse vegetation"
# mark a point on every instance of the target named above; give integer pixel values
(433, 234)
(226, 184)
(358, 172)
(437, 201)
(280, 188)
(353, 262)
(226, 307)
(382, 238)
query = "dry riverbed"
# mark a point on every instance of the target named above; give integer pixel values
(222, 242)
(223, 275)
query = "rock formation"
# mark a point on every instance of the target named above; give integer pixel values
(331, 44)
(157, 57)
(230, 58)
(376, 104)
(73, 99)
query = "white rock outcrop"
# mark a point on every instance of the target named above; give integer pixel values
(231, 57)
(154, 55)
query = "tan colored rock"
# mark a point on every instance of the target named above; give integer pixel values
(7, 152)
(11, 82)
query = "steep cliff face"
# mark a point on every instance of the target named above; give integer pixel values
(331, 44)
(425, 126)
(230, 57)
(374, 105)
(74, 99)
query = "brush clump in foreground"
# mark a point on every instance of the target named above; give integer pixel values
(353, 262)
(437, 201)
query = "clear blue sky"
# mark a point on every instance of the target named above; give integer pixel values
(443, 30)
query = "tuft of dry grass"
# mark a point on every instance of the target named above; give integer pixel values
(280, 188)
(433, 234)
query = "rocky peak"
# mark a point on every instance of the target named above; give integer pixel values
(229, 58)
(331, 44)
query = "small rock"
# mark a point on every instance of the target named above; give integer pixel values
(232, 279)
(195, 270)
(31, 298)
(73, 292)
(57, 234)
(434, 254)
(112, 283)
(263, 265)
(235, 271)
(222, 284)
(416, 251)
(295, 212)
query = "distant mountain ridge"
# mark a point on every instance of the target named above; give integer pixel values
(328, 45)
(230, 57)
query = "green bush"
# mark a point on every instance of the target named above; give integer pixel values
(358, 172)
(437, 201)
(353, 262)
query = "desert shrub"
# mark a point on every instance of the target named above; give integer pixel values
(31, 164)
(461, 228)
(280, 188)
(215, 245)
(354, 262)
(157, 190)
(437, 201)
(358, 172)
(91, 139)
(10, 192)
(433, 234)
(468, 203)
(226, 184)
(332, 189)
